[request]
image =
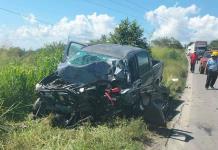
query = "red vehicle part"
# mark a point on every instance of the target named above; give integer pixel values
(109, 92)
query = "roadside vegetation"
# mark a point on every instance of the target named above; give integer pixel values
(21, 70)
(38, 134)
(170, 51)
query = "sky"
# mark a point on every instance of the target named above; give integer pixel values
(31, 24)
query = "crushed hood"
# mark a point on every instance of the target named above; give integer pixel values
(84, 74)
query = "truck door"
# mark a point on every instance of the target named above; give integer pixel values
(144, 68)
(133, 67)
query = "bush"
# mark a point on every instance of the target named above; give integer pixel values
(175, 66)
(167, 42)
(18, 79)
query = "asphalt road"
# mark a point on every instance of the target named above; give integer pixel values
(196, 127)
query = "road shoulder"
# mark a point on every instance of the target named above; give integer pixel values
(174, 136)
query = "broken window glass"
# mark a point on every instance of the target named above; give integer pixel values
(78, 57)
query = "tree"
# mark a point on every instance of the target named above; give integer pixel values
(213, 44)
(129, 33)
(103, 39)
(167, 42)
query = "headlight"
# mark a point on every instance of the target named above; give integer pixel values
(81, 90)
(38, 87)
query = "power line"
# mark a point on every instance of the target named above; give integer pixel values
(109, 8)
(115, 10)
(11, 11)
(165, 19)
(135, 4)
(130, 7)
(21, 15)
(126, 4)
(140, 7)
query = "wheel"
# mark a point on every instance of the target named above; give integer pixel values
(145, 99)
(154, 114)
(155, 111)
(164, 96)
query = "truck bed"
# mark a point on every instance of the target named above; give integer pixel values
(157, 70)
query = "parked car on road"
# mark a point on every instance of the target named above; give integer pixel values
(100, 81)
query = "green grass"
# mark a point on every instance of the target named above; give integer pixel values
(18, 79)
(175, 66)
(37, 134)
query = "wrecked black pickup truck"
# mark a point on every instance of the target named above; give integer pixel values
(100, 81)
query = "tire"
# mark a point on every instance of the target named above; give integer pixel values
(154, 115)
(145, 99)
(155, 112)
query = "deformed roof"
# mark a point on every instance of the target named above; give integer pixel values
(114, 50)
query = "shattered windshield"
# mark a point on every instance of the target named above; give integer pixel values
(78, 57)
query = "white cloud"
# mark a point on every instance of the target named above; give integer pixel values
(183, 23)
(31, 18)
(81, 28)
(205, 27)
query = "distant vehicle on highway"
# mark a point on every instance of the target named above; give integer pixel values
(214, 50)
(203, 61)
(199, 46)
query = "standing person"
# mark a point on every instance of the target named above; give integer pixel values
(212, 66)
(193, 59)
